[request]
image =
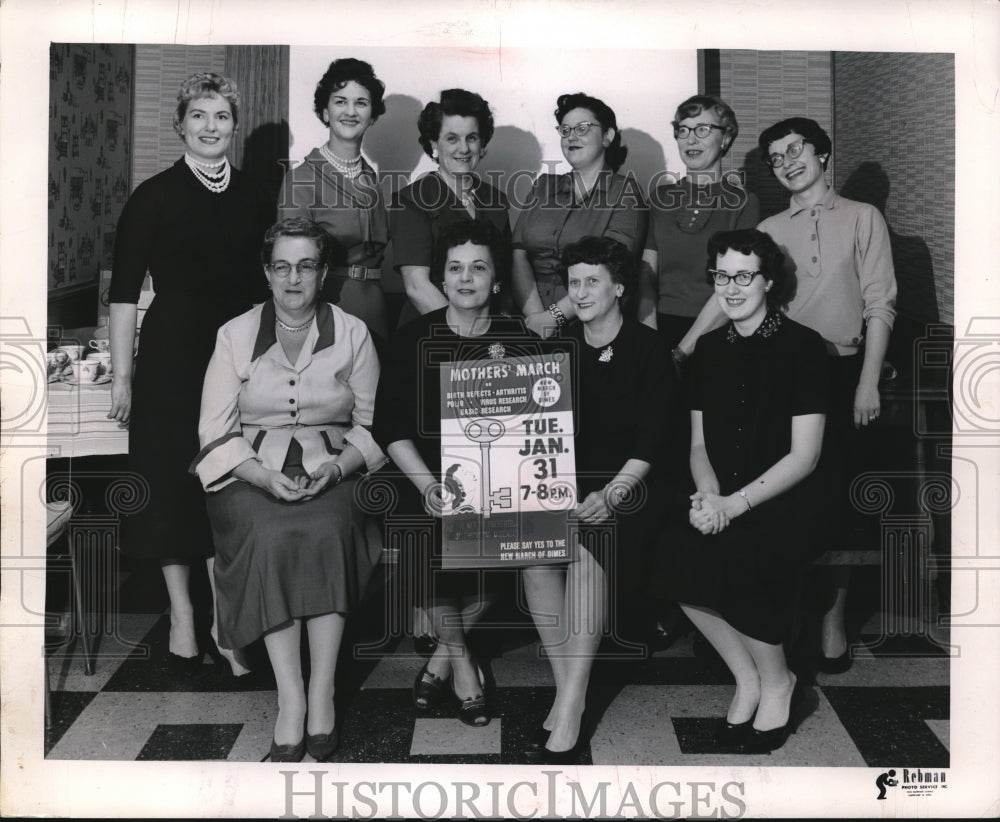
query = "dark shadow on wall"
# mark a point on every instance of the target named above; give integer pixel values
(646, 158)
(772, 195)
(263, 152)
(916, 300)
(393, 143)
(512, 163)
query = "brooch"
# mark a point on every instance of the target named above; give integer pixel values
(497, 351)
(606, 354)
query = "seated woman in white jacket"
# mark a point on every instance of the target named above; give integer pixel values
(286, 406)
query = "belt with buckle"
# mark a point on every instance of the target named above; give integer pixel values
(357, 272)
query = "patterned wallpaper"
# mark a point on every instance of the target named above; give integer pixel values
(90, 147)
(895, 126)
(764, 87)
(159, 72)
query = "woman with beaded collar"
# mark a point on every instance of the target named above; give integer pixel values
(196, 228)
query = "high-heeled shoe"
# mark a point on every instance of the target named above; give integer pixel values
(473, 710)
(535, 743)
(184, 664)
(568, 757)
(288, 753)
(731, 734)
(425, 644)
(231, 657)
(761, 742)
(322, 746)
(430, 690)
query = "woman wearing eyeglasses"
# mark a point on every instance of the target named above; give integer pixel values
(336, 188)
(686, 212)
(759, 397)
(285, 413)
(593, 199)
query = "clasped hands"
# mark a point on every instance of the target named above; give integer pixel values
(711, 513)
(302, 487)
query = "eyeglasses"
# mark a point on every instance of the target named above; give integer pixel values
(740, 277)
(306, 268)
(701, 131)
(580, 128)
(794, 150)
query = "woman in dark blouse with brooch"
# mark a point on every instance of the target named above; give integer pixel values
(623, 393)
(454, 132)
(472, 259)
(335, 187)
(758, 408)
(592, 200)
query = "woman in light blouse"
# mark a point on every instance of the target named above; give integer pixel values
(287, 402)
(592, 200)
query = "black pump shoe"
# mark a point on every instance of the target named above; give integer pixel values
(288, 753)
(730, 735)
(761, 742)
(535, 743)
(322, 746)
(564, 757)
(430, 690)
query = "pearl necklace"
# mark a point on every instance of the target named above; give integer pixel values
(294, 329)
(216, 183)
(349, 168)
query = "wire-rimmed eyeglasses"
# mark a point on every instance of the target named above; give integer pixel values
(305, 268)
(740, 277)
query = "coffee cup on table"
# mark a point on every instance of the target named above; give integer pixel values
(101, 346)
(85, 371)
(103, 360)
(74, 352)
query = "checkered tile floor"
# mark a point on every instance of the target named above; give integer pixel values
(891, 707)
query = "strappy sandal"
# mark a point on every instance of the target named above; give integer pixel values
(472, 711)
(430, 690)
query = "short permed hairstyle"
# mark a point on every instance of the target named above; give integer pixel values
(614, 154)
(455, 102)
(698, 103)
(297, 227)
(477, 232)
(809, 130)
(772, 261)
(611, 254)
(339, 74)
(206, 84)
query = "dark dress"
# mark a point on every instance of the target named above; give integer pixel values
(426, 207)
(623, 401)
(201, 250)
(408, 407)
(748, 390)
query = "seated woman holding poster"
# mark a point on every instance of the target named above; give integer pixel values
(622, 398)
(284, 422)
(471, 261)
(759, 398)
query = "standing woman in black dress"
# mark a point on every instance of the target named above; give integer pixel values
(196, 228)
(759, 399)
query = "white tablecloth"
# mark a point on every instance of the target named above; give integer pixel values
(79, 424)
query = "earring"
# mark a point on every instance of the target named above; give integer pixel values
(767, 287)
(434, 154)
(496, 288)
(619, 292)
(444, 288)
